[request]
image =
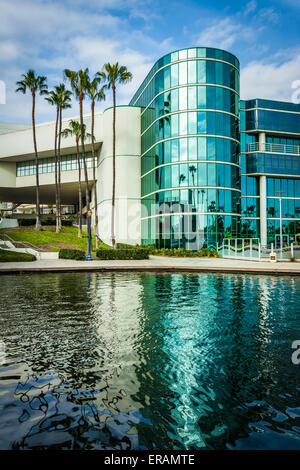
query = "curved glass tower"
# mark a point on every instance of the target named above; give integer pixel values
(190, 149)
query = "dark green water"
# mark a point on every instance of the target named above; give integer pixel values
(146, 361)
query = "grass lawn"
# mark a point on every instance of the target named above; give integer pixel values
(49, 240)
(9, 256)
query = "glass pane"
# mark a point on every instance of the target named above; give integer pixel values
(192, 97)
(182, 98)
(174, 74)
(201, 96)
(182, 73)
(192, 78)
(201, 66)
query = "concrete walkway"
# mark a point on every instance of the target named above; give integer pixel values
(156, 263)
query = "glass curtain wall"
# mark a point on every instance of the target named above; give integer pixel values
(190, 149)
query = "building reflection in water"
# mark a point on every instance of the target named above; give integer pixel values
(131, 360)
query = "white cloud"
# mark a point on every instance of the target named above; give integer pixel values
(250, 7)
(224, 33)
(8, 51)
(243, 28)
(268, 15)
(50, 36)
(273, 79)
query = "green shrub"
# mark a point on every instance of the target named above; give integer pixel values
(180, 252)
(67, 223)
(47, 222)
(126, 246)
(26, 222)
(122, 254)
(66, 253)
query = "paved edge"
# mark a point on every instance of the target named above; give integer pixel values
(216, 269)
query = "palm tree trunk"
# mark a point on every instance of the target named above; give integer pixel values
(94, 175)
(113, 237)
(193, 178)
(59, 170)
(38, 225)
(79, 191)
(56, 169)
(87, 196)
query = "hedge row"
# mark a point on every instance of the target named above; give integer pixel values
(66, 253)
(50, 221)
(126, 246)
(176, 252)
(123, 253)
(180, 252)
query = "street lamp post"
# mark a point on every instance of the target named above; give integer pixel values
(89, 256)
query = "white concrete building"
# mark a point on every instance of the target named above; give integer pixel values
(17, 168)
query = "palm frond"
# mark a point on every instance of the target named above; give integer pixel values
(115, 73)
(32, 82)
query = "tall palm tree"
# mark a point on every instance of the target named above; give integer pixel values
(95, 93)
(36, 85)
(193, 170)
(74, 130)
(59, 97)
(54, 101)
(79, 82)
(114, 74)
(64, 96)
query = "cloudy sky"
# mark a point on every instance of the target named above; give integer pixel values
(50, 35)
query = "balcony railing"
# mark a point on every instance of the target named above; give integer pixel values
(273, 148)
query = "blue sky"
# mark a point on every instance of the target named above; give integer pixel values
(50, 35)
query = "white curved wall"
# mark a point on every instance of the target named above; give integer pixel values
(20, 143)
(128, 176)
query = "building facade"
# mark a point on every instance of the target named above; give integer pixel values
(190, 184)
(194, 163)
(270, 171)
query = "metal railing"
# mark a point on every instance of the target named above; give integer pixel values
(240, 248)
(251, 249)
(273, 148)
(290, 252)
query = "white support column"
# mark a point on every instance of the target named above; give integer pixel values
(263, 209)
(128, 176)
(262, 141)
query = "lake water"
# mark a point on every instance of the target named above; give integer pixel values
(149, 361)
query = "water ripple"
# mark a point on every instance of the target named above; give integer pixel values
(149, 361)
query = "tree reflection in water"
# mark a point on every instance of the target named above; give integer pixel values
(132, 361)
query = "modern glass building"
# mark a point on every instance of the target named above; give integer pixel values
(194, 163)
(270, 170)
(190, 173)
(213, 166)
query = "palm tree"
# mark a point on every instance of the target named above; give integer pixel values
(59, 97)
(35, 84)
(182, 177)
(193, 170)
(95, 94)
(75, 131)
(54, 101)
(79, 83)
(64, 96)
(114, 74)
